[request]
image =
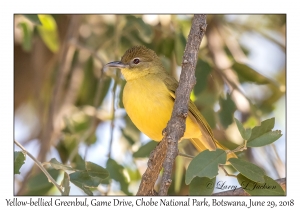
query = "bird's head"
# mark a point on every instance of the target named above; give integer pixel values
(138, 61)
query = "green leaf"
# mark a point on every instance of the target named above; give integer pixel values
(39, 183)
(263, 135)
(127, 137)
(65, 183)
(248, 74)
(116, 172)
(205, 164)
(265, 139)
(244, 133)
(57, 165)
(27, 37)
(89, 85)
(269, 187)
(226, 111)
(84, 178)
(104, 90)
(143, 30)
(203, 69)
(84, 181)
(266, 126)
(145, 150)
(95, 170)
(249, 170)
(206, 99)
(248, 133)
(202, 186)
(131, 129)
(18, 162)
(79, 124)
(34, 19)
(240, 127)
(92, 139)
(209, 114)
(78, 162)
(134, 174)
(48, 32)
(180, 43)
(166, 47)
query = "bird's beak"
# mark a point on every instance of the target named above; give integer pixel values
(116, 64)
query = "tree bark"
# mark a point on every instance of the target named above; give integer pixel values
(167, 150)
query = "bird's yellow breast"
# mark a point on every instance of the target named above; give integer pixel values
(149, 105)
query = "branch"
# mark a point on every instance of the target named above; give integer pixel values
(40, 166)
(167, 150)
(51, 130)
(155, 163)
(176, 126)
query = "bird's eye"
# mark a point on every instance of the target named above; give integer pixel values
(136, 61)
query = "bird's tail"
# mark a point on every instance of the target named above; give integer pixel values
(200, 147)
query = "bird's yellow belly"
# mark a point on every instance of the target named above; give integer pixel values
(149, 105)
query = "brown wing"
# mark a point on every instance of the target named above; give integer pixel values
(172, 85)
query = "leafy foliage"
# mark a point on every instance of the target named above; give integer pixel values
(226, 112)
(249, 170)
(84, 181)
(57, 165)
(205, 165)
(18, 162)
(89, 177)
(34, 19)
(145, 150)
(265, 139)
(117, 173)
(203, 70)
(39, 184)
(247, 74)
(48, 32)
(27, 37)
(263, 135)
(202, 186)
(245, 133)
(268, 187)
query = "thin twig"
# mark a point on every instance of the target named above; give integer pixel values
(227, 174)
(85, 48)
(112, 123)
(92, 126)
(278, 159)
(245, 27)
(239, 148)
(185, 155)
(38, 163)
(64, 67)
(114, 89)
(231, 83)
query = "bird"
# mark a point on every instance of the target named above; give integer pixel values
(149, 95)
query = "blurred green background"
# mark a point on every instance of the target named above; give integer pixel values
(66, 108)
